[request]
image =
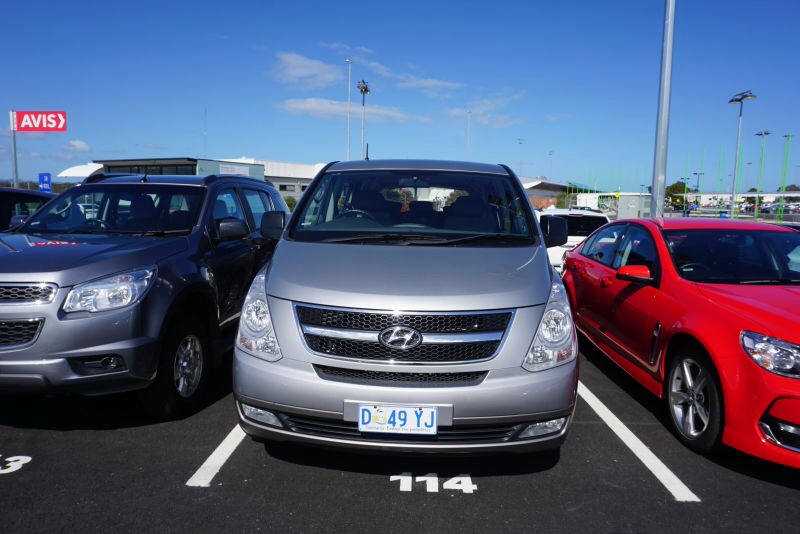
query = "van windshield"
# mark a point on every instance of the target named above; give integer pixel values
(415, 207)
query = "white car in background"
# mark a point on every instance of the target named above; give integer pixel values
(580, 223)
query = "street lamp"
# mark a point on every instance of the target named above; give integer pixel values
(763, 135)
(349, 71)
(364, 89)
(550, 154)
(738, 99)
(697, 189)
(685, 181)
(520, 141)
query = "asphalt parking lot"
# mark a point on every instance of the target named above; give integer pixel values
(95, 464)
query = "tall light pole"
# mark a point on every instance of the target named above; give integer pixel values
(763, 135)
(520, 141)
(738, 99)
(662, 118)
(550, 155)
(364, 89)
(784, 172)
(349, 71)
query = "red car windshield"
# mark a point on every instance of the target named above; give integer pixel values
(725, 256)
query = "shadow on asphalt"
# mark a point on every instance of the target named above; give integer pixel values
(508, 464)
(106, 412)
(727, 457)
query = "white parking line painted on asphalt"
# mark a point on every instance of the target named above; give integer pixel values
(203, 476)
(673, 484)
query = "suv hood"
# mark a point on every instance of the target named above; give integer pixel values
(71, 259)
(409, 278)
(770, 310)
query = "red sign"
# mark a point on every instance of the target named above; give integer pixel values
(40, 121)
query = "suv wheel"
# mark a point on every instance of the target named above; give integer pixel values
(182, 371)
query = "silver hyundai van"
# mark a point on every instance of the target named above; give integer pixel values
(409, 305)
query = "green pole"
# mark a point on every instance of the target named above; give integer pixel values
(763, 134)
(784, 174)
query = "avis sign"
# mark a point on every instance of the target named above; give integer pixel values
(39, 121)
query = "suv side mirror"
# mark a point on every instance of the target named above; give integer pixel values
(554, 229)
(231, 229)
(272, 224)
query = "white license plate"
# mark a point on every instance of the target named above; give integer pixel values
(397, 419)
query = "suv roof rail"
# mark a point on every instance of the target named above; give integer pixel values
(211, 178)
(104, 175)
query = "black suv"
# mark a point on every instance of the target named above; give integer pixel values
(131, 282)
(19, 202)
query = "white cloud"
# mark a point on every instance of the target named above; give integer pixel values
(325, 109)
(76, 145)
(430, 86)
(295, 69)
(490, 111)
(558, 117)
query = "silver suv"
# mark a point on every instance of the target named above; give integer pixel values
(409, 305)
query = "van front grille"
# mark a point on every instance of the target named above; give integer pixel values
(443, 338)
(398, 379)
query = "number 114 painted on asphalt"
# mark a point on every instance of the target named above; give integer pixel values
(461, 483)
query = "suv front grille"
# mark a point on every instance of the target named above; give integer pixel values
(397, 379)
(27, 293)
(446, 337)
(15, 333)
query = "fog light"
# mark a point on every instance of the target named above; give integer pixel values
(262, 416)
(542, 428)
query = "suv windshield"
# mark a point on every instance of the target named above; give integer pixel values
(736, 256)
(120, 208)
(415, 207)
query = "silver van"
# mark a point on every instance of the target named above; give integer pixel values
(409, 306)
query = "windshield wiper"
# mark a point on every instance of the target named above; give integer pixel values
(400, 239)
(487, 238)
(771, 282)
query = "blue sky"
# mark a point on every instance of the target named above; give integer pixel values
(565, 89)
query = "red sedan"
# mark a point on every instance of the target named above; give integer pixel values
(705, 313)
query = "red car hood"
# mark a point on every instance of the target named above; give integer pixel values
(773, 310)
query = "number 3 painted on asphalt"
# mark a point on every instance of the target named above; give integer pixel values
(13, 463)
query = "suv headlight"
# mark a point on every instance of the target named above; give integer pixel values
(775, 355)
(556, 342)
(110, 293)
(256, 335)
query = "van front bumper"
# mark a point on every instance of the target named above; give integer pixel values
(510, 410)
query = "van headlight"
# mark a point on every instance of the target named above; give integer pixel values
(110, 293)
(556, 342)
(773, 354)
(256, 335)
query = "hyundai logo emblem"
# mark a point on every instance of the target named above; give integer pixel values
(400, 337)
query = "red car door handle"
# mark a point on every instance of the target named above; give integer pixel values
(605, 281)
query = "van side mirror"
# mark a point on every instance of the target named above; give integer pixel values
(272, 224)
(554, 229)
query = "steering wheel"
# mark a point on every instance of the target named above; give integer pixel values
(356, 213)
(694, 266)
(100, 223)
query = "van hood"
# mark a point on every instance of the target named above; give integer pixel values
(409, 278)
(71, 259)
(770, 309)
